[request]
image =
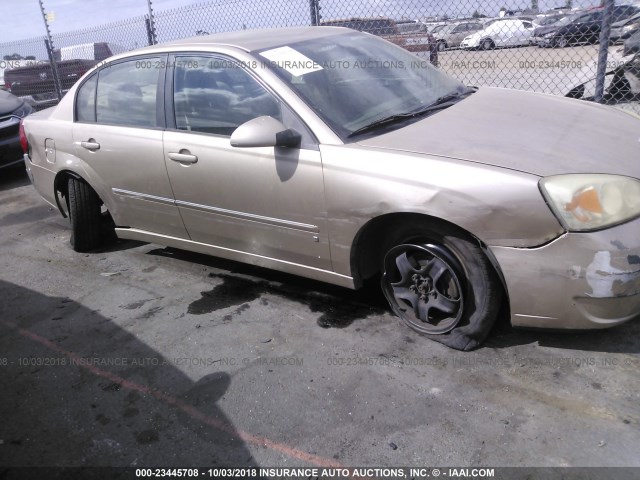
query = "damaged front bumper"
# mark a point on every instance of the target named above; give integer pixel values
(578, 281)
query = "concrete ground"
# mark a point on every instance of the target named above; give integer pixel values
(139, 355)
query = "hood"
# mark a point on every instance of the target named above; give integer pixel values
(529, 132)
(8, 103)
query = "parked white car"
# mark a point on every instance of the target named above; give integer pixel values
(502, 33)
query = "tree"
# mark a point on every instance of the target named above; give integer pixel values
(15, 56)
(477, 14)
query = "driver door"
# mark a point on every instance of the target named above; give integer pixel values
(267, 202)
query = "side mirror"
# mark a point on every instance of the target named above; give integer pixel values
(265, 132)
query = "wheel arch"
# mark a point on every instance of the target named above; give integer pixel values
(367, 247)
(60, 188)
(484, 39)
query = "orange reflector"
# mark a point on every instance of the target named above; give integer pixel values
(586, 200)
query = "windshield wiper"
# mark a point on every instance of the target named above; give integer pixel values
(441, 102)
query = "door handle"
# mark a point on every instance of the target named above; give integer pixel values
(183, 157)
(90, 144)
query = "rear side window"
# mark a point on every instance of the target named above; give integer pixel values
(126, 93)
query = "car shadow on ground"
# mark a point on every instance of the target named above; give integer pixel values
(78, 390)
(112, 245)
(340, 307)
(13, 177)
(621, 339)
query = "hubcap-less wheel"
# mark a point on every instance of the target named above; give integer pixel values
(423, 286)
(487, 45)
(441, 46)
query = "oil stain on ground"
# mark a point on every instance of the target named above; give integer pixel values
(232, 291)
(336, 311)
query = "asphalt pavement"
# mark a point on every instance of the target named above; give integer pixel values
(139, 355)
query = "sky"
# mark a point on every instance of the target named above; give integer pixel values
(21, 19)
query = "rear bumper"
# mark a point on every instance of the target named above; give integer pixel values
(578, 281)
(27, 165)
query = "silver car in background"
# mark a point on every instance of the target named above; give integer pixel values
(338, 156)
(450, 36)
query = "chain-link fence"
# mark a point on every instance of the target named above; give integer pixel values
(578, 48)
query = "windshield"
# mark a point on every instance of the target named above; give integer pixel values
(352, 80)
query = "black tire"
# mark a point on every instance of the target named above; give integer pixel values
(487, 44)
(561, 42)
(442, 46)
(85, 216)
(441, 284)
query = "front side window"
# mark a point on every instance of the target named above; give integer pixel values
(214, 95)
(127, 91)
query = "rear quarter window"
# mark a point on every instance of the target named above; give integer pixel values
(86, 101)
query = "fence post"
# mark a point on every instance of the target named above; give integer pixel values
(605, 32)
(151, 25)
(315, 12)
(51, 54)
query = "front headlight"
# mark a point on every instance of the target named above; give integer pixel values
(584, 202)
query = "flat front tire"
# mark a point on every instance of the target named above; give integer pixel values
(442, 284)
(85, 216)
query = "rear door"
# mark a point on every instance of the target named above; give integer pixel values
(118, 133)
(263, 201)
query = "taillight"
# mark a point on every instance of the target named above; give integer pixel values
(24, 143)
(7, 87)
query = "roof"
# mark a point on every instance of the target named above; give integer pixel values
(250, 40)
